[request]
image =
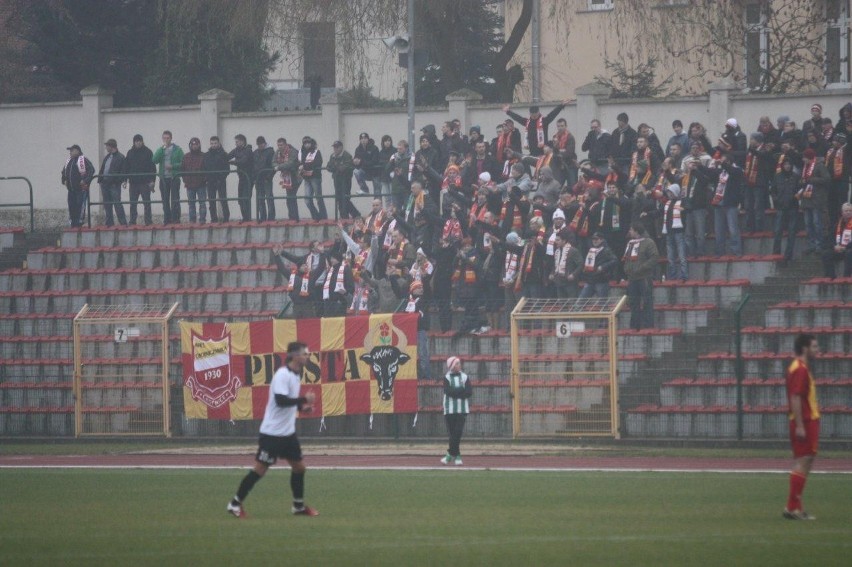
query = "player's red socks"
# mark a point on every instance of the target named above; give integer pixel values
(797, 485)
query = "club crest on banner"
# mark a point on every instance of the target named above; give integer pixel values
(212, 381)
(384, 357)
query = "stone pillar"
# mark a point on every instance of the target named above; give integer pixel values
(213, 103)
(332, 125)
(458, 107)
(719, 108)
(95, 99)
(587, 104)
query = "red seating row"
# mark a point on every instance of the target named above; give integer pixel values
(546, 357)
(770, 356)
(160, 269)
(812, 305)
(159, 291)
(693, 283)
(231, 224)
(829, 281)
(795, 330)
(69, 409)
(177, 247)
(653, 408)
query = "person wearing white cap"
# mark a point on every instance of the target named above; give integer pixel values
(733, 141)
(457, 393)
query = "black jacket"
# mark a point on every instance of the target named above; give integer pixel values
(532, 134)
(73, 179)
(216, 160)
(369, 156)
(116, 168)
(243, 159)
(140, 160)
(263, 161)
(598, 147)
(623, 144)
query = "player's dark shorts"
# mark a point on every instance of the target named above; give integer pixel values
(807, 446)
(270, 448)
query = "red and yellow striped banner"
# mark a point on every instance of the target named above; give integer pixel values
(358, 365)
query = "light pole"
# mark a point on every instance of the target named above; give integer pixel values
(411, 75)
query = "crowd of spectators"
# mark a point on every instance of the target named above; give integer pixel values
(478, 223)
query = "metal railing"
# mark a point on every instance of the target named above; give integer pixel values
(124, 177)
(26, 204)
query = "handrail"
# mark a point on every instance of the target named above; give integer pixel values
(29, 204)
(739, 363)
(357, 195)
(121, 177)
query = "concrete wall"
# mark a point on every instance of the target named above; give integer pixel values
(35, 136)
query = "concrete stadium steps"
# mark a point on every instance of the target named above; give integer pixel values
(688, 318)
(185, 234)
(780, 339)
(826, 289)
(489, 366)
(761, 243)
(209, 300)
(142, 257)
(9, 237)
(723, 293)
(712, 392)
(760, 364)
(653, 342)
(759, 422)
(809, 314)
(754, 268)
(93, 346)
(67, 279)
(35, 370)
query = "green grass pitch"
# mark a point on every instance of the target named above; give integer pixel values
(442, 517)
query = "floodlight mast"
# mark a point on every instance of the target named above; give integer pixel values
(411, 75)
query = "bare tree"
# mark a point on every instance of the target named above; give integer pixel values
(774, 46)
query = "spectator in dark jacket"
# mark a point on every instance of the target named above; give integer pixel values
(77, 174)
(536, 125)
(733, 142)
(263, 169)
(310, 169)
(784, 191)
(623, 141)
(366, 161)
(196, 186)
(599, 265)
(727, 198)
(341, 166)
(139, 160)
(242, 157)
(382, 176)
(110, 180)
(216, 159)
(597, 144)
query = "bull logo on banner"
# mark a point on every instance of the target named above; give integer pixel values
(212, 381)
(385, 358)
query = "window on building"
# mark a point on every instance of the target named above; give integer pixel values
(600, 4)
(837, 42)
(756, 44)
(318, 57)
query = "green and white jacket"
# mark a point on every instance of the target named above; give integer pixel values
(457, 393)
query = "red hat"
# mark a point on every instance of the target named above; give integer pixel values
(595, 184)
(809, 153)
